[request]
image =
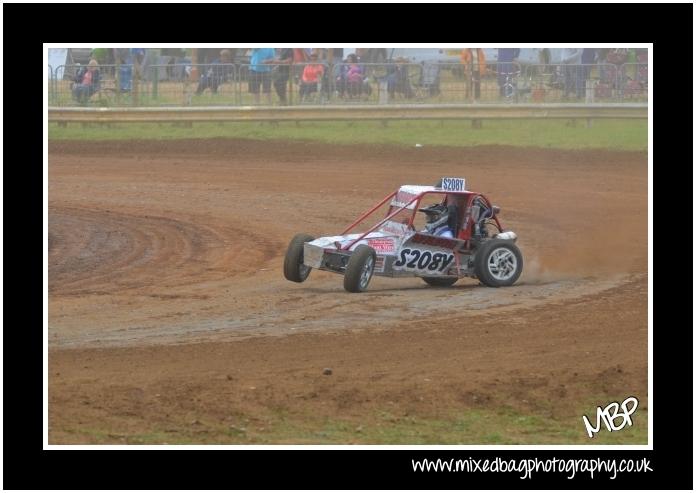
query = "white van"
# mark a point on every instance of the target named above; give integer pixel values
(530, 56)
(418, 55)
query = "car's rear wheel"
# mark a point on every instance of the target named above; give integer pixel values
(359, 269)
(293, 268)
(498, 263)
(440, 282)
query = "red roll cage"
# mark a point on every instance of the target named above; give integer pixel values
(463, 201)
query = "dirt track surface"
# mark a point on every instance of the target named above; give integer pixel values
(168, 307)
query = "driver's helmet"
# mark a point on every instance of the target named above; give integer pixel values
(437, 216)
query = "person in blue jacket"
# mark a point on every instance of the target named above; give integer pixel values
(261, 73)
(129, 57)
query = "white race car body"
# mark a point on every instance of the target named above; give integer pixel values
(409, 254)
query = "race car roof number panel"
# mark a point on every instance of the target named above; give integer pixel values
(454, 184)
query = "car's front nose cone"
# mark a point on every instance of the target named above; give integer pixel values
(507, 235)
(312, 255)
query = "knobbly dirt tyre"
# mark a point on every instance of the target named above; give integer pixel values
(293, 268)
(498, 263)
(359, 270)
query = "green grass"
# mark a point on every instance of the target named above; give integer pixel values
(504, 426)
(561, 134)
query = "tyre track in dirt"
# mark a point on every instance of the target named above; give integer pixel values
(97, 252)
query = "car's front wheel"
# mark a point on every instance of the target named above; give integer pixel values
(359, 269)
(498, 263)
(293, 268)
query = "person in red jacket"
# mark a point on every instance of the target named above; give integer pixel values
(87, 82)
(311, 76)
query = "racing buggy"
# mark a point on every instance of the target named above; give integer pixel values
(459, 235)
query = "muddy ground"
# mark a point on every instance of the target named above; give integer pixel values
(170, 319)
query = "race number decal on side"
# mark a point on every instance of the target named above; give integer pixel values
(413, 259)
(454, 184)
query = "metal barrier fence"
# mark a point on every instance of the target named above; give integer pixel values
(603, 82)
(318, 83)
(348, 112)
(114, 85)
(51, 80)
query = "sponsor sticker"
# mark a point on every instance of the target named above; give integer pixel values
(382, 245)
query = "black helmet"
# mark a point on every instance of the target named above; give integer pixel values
(437, 215)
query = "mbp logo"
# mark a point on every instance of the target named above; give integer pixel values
(609, 414)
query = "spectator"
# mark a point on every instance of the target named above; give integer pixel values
(137, 55)
(129, 59)
(282, 73)
(340, 77)
(570, 57)
(87, 82)
(350, 77)
(474, 62)
(429, 78)
(260, 73)
(607, 75)
(354, 76)
(311, 76)
(617, 57)
(136, 60)
(125, 72)
(506, 68)
(398, 80)
(219, 72)
(588, 58)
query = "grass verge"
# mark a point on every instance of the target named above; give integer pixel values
(630, 135)
(502, 426)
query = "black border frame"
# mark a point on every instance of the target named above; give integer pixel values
(27, 466)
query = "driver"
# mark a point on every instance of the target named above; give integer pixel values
(437, 221)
